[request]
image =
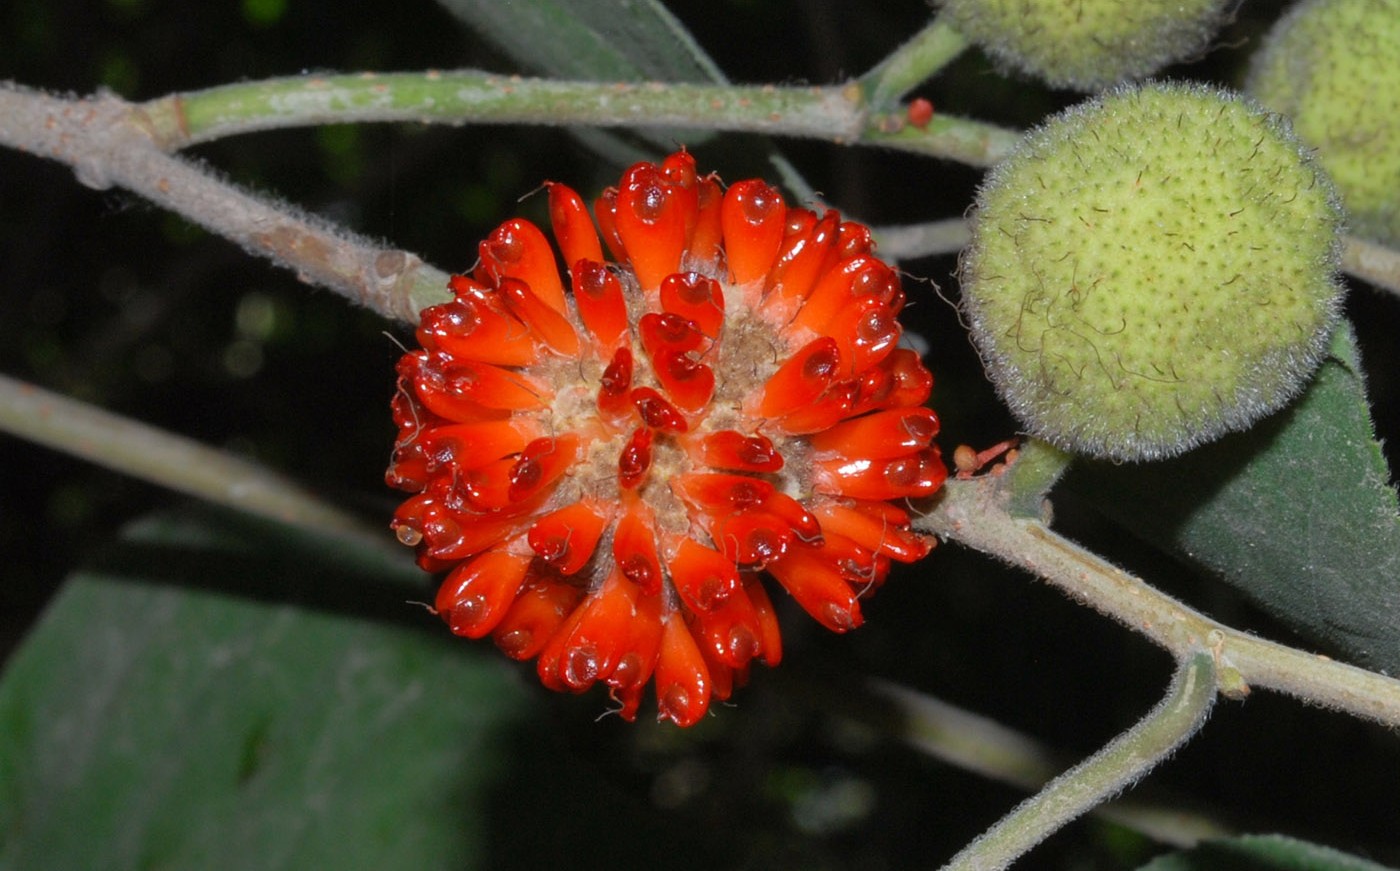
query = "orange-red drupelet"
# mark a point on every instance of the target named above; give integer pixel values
(605, 472)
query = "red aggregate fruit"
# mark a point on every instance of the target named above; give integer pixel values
(609, 457)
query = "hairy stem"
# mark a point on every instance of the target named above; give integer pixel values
(975, 743)
(907, 241)
(975, 513)
(164, 458)
(106, 142)
(1028, 480)
(1118, 765)
(471, 96)
(1373, 262)
(975, 143)
(913, 63)
(837, 112)
(109, 142)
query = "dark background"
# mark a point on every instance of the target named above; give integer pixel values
(105, 298)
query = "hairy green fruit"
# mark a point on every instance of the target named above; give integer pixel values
(1152, 269)
(1087, 44)
(1333, 66)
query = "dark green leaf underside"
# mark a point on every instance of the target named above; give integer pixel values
(1297, 513)
(602, 40)
(147, 725)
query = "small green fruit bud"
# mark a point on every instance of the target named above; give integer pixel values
(1333, 66)
(1152, 269)
(1087, 44)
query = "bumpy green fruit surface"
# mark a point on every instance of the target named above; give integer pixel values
(1333, 66)
(1152, 269)
(1087, 44)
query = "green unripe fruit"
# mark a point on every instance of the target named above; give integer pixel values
(1152, 269)
(1333, 66)
(1087, 44)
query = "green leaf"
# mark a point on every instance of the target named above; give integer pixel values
(147, 725)
(1297, 513)
(605, 40)
(1261, 853)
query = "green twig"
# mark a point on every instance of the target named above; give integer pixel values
(1117, 766)
(931, 239)
(109, 142)
(1372, 262)
(106, 142)
(1028, 480)
(914, 62)
(169, 460)
(975, 143)
(469, 96)
(837, 113)
(978, 744)
(975, 513)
